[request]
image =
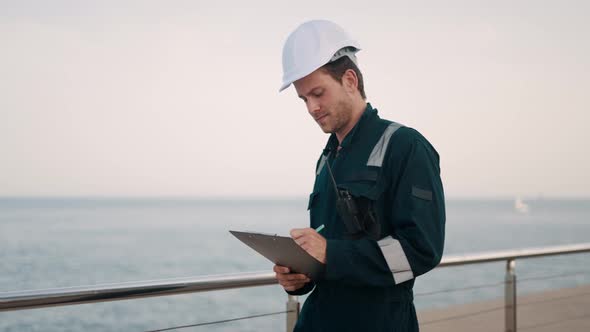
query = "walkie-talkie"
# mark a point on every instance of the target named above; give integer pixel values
(346, 206)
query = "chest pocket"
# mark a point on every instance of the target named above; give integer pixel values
(364, 184)
(365, 188)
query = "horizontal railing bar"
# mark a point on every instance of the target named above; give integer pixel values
(19, 300)
(497, 256)
(32, 299)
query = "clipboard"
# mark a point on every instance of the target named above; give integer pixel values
(282, 250)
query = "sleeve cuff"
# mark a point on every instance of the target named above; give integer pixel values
(303, 290)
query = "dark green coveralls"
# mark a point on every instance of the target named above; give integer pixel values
(367, 283)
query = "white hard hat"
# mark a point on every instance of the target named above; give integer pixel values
(312, 45)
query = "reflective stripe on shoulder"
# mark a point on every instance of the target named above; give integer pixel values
(321, 165)
(396, 259)
(378, 153)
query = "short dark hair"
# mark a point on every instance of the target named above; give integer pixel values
(337, 68)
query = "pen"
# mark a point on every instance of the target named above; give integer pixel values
(319, 229)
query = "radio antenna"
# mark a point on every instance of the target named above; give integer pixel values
(332, 175)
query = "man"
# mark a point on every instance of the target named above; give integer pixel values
(377, 191)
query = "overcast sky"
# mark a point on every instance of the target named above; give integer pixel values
(180, 98)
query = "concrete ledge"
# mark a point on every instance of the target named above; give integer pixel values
(565, 309)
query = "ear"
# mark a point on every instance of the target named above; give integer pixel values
(350, 81)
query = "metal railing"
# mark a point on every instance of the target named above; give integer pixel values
(20, 300)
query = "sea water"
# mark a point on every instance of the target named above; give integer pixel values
(50, 243)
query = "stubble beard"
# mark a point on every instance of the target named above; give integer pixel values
(342, 114)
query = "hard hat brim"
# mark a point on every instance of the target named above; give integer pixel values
(286, 83)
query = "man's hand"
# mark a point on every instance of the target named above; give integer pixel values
(290, 281)
(310, 241)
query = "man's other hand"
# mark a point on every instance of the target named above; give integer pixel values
(290, 281)
(310, 241)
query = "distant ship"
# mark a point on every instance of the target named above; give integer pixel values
(520, 206)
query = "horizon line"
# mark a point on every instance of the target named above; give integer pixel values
(270, 197)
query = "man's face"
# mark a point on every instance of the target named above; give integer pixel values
(326, 100)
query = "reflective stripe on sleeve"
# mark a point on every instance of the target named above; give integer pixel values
(378, 153)
(396, 259)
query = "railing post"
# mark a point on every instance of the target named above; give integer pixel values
(292, 312)
(510, 297)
